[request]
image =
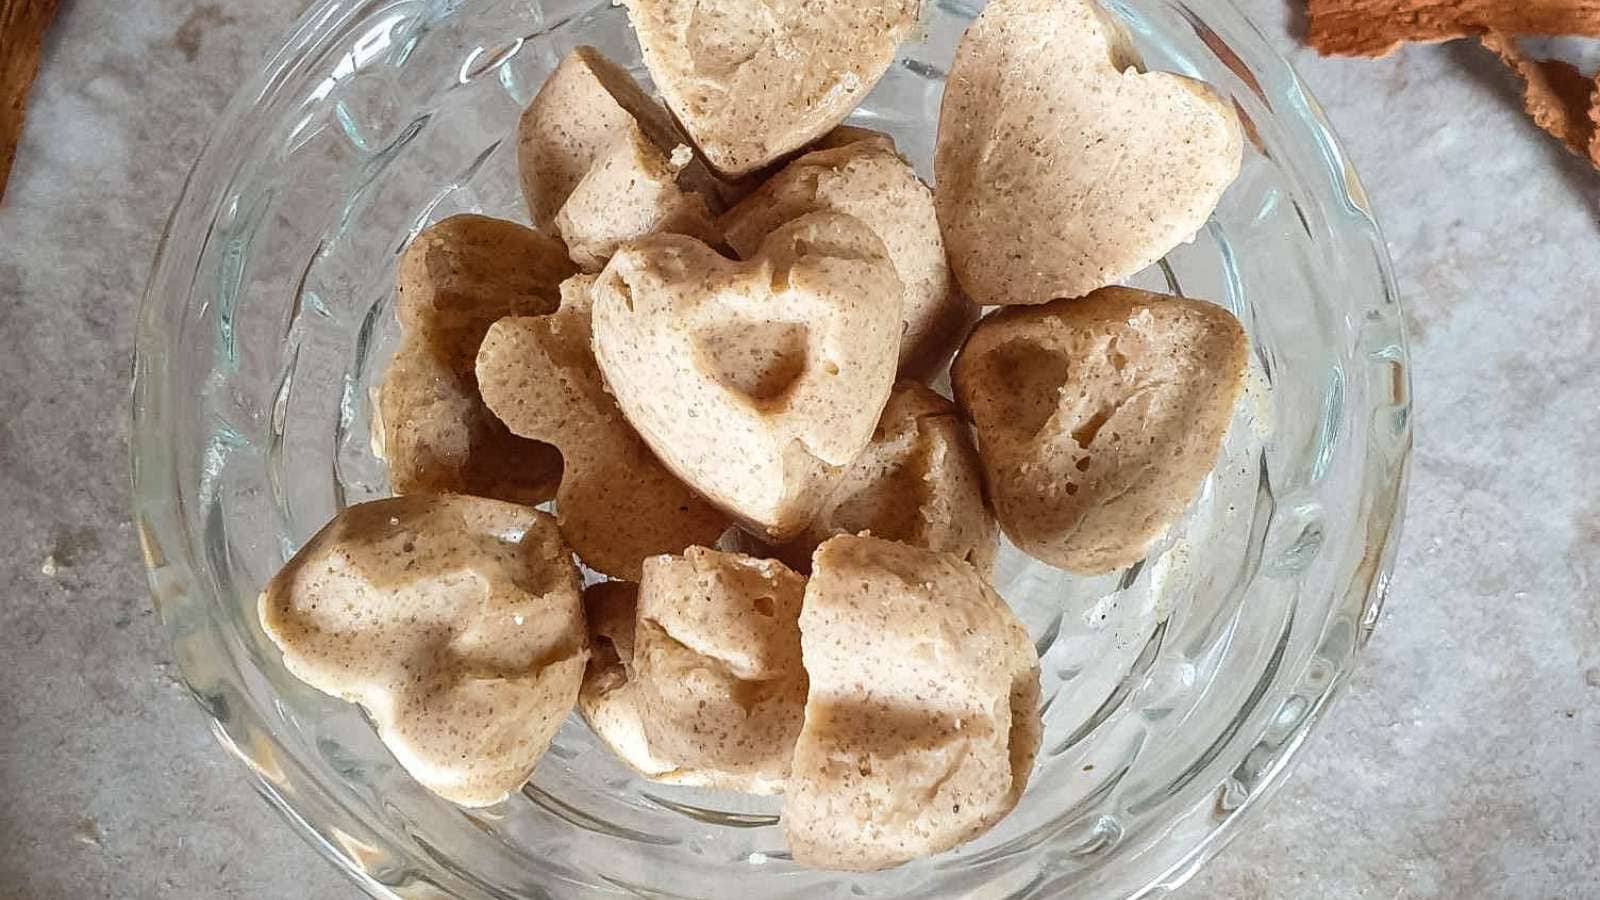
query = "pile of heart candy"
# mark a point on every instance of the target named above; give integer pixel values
(712, 352)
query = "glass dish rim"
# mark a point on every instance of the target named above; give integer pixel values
(157, 517)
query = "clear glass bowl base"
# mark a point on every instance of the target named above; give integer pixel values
(1175, 691)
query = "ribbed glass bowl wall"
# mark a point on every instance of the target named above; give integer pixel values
(1176, 692)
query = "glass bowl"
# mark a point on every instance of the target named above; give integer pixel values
(1175, 692)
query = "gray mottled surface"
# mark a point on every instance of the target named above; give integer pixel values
(1464, 761)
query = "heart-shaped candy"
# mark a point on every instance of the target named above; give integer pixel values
(1060, 167)
(582, 108)
(757, 382)
(752, 82)
(1099, 418)
(454, 621)
(695, 674)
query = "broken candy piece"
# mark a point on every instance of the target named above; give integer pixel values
(709, 692)
(1562, 100)
(919, 482)
(609, 698)
(752, 82)
(456, 278)
(438, 438)
(1059, 168)
(756, 382)
(462, 274)
(630, 191)
(717, 659)
(922, 719)
(454, 621)
(1098, 419)
(868, 180)
(1375, 27)
(603, 164)
(617, 503)
(582, 108)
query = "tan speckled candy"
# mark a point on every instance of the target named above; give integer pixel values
(868, 180)
(717, 660)
(630, 191)
(756, 382)
(754, 81)
(456, 278)
(1098, 419)
(585, 105)
(454, 621)
(609, 698)
(919, 482)
(729, 192)
(709, 690)
(923, 715)
(617, 503)
(1059, 167)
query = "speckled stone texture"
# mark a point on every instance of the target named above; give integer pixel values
(1464, 760)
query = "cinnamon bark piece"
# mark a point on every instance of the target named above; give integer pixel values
(1376, 27)
(22, 28)
(1561, 99)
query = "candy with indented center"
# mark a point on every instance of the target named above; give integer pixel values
(754, 81)
(454, 621)
(922, 718)
(1060, 167)
(757, 382)
(868, 179)
(456, 278)
(1098, 419)
(617, 503)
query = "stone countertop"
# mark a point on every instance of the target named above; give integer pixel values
(1464, 760)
